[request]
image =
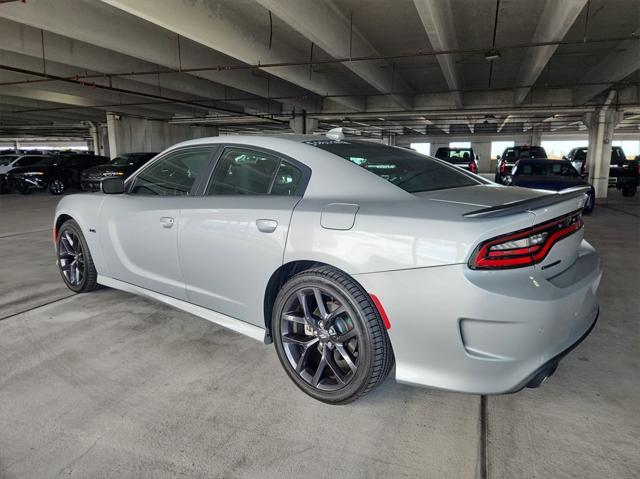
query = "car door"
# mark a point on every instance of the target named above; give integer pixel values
(138, 230)
(232, 238)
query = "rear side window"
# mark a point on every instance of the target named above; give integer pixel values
(28, 160)
(524, 152)
(242, 171)
(406, 169)
(171, 175)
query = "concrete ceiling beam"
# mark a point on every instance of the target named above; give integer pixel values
(219, 27)
(506, 120)
(326, 26)
(437, 19)
(623, 60)
(28, 41)
(100, 25)
(67, 98)
(24, 62)
(555, 21)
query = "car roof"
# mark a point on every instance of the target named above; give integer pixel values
(326, 166)
(541, 160)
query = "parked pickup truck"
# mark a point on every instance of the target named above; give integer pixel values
(511, 155)
(623, 174)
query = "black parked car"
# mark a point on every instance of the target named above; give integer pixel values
(552, 175)
(511, 155)
(463, 157)
(9, 162)
(123, 165)
(623, 174)
(56, 173)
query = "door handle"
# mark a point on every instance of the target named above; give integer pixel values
(166, 222)
(266, 226)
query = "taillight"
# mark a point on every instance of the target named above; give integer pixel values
(472, 167)
(525, 247)
(503, 167)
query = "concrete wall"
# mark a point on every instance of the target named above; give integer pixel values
(128, 135)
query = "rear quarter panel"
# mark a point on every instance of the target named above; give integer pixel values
(393, 235)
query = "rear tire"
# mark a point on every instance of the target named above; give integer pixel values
(629, 191)
(590, 204)
(336, 352)
(74, 259)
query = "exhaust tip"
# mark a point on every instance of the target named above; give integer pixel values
(542, 376)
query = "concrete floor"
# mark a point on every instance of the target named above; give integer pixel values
(111, 385)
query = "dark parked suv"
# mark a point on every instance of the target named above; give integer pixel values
(462, 157)
(511, 155)
(56, 173)
(623, 174)
(123, 165)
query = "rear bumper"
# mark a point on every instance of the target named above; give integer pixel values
(620, 182)
(485, 332)
(536, 378)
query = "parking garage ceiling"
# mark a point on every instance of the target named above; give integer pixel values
(376, 67)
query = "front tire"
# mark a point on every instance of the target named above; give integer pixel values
(629, 191)
(329, 336)
(74, 259)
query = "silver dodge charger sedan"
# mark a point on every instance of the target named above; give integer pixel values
(349, 256)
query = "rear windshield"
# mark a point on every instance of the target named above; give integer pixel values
(524, 152)
(406, 169)
(546, 168)
(460, 154)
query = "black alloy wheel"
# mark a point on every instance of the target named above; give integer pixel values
(74, 259)
(56, 186)
(329, 336)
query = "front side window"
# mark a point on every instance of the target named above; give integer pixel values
(241, 171)
(406, 169)
(171, 175)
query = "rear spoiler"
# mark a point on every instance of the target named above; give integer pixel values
(529, 204)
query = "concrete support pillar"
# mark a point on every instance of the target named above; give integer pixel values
(601, 126)
(435, 146)
(483, 149)
(303, 125)
(103, 139)
(93, 144)
(390, 139)
(536, 135)
(128, 135)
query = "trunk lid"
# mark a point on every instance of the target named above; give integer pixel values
(503, 210)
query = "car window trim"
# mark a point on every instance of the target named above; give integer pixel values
(196, 184)
(304, 169)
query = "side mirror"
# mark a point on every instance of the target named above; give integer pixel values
(112, 186)
(497, 157)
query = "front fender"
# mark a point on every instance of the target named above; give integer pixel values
(85, 210)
